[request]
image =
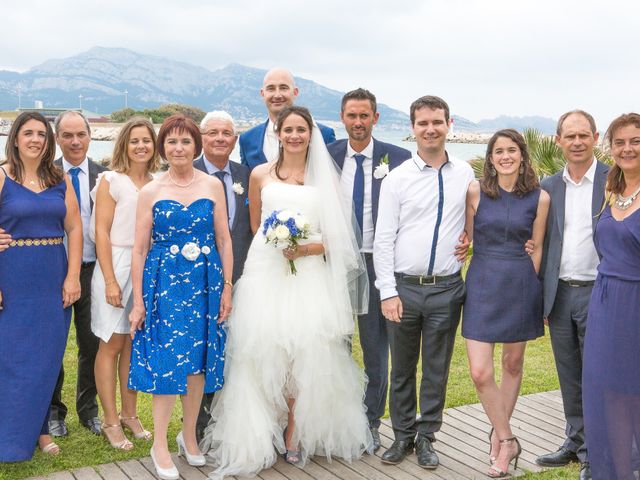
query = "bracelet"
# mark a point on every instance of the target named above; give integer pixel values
(228, 282)
(110, 282)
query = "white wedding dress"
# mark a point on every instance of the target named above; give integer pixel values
(287, 338)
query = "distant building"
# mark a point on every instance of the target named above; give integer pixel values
(51, 113)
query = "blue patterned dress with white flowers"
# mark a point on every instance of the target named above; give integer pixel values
(182, 283)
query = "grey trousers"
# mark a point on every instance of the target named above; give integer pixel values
(567, 326)
(431, 314)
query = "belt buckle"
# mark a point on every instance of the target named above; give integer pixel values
(423, 280)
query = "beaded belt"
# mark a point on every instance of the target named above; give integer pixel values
(35, 242)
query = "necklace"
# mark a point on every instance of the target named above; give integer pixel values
(179, 184)
(623, 202)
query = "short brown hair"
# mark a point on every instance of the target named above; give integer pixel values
(120, 161)
(527, 180)
(615, 180)
(430, 101)
(48, 174)
(589, 117)
(360, 94)
(179, 123)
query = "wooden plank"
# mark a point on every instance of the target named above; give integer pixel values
(542, 409)
(110, 471)
(272, 474)
(338, 469)
(367, 471)
(291, 471)
(136, 470)
(66, 475)
(544, 402)
(530, 420)
(551, 396)
(556, 420)
(391, 470)
(86, 473)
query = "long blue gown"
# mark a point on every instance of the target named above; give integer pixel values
(34, 326)
(181, 335)
(611, 373)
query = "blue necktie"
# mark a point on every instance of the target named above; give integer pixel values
(358, 189)
(75, 181)
(220, 174)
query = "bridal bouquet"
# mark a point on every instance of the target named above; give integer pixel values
(283, 229)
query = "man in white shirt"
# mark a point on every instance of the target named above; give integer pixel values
(73, 136)
(569, 268)
(421, 218)
(260, 144)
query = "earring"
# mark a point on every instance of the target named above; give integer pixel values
(492, 171)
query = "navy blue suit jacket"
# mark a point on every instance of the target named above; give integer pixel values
(252, 141)
(397, 155)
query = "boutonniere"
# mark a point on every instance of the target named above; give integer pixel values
(237, 188)
(382, 170)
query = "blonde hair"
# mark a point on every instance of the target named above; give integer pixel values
(120, 161)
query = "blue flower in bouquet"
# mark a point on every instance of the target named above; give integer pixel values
(283, 229)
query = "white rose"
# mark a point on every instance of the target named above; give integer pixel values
(271, 234)
(237, 188)
(301, 222)
(282, 232)
(284, 215)
(381, 171)
(206, 250)
(174, 249)
(190, 251)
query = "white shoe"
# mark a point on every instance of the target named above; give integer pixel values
(164, 473)
(193, 460)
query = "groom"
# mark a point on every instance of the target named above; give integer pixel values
(260, 144)
(363, 161)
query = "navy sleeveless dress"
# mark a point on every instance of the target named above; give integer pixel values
(504, 294)
(611, 372)
(182, 284)
(33, 324)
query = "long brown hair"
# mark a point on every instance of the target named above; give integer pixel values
(527, 180)
(120, 161)
(615, 180)
(48, 174)
(284, 114)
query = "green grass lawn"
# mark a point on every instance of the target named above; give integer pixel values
(81, 448)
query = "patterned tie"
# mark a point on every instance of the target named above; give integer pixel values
(358, 189)
(220, 176)
(75, 181)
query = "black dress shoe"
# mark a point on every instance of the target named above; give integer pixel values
(397, 451)
(559, 458)
(427, 456)
(585, 471)
(93, 424)
(58, 428)
(376, 438)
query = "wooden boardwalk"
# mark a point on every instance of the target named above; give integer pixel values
(538, 421)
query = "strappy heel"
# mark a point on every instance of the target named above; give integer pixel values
(294, 457)
(494, 471)
(141, 434)
(123, 444)
(492, 460)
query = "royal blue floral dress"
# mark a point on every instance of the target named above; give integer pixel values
(182, 283)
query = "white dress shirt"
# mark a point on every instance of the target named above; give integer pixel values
(346, 180)
(228, 186)
(271, 143)
(579, 259)
(88, 247)
(420, 219)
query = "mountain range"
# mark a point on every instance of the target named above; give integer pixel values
(101, 76)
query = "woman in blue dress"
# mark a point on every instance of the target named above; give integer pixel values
(505, 209)
(181, 290)
(611, 373)
(37, 285)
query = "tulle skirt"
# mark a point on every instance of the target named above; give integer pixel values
(287, 339)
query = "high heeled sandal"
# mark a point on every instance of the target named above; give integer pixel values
(294, 457)
(51, 449)
(124, 444)
(495, 472)
(492, 460)
(141, 434)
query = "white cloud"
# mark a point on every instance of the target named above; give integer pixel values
(484, 58)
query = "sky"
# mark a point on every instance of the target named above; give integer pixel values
(485, 58)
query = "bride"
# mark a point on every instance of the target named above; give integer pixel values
(291, 384)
